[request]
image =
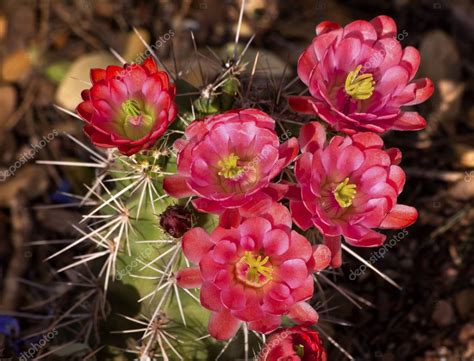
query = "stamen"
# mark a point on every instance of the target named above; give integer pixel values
(359, 87)
(257, 267)
(131, 108)
(345, 193)
(255, 271)
(229, 167)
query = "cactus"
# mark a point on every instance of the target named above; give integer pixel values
(133, 252)
(133, 248)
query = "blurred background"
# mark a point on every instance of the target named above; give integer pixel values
(46, 50)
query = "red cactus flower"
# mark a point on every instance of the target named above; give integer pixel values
(253, 270)
(128, 108)
(347, 188)
(229, 160)
(359, 77)
(294, 344)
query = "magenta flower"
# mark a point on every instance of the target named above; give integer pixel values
(359, 77)
(128, 108)
(347, 188)
(253, 270)
(229, 160)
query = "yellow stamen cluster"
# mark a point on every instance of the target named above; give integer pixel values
(345, 193)
(229, 167)
(359, 87)
(131, 108)
(257, 268)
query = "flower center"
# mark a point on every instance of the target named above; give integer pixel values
(299, 349)
(254, 270)
(229, 167)
(136, 121)
(131, 108)
(359, 87)
(345, 193)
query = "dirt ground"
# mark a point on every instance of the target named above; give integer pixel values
(430, 319)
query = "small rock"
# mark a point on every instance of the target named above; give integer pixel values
(466, 333)
(463, 189)
(443, 53)
(443, 313)
(68, 94)
(465, 155)
(465, 302)
(444, 69)
(16, 66)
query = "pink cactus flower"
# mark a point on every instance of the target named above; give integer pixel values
(359, 77)
(347, 188)
(229, 160)
(128, 108)
(252, 270)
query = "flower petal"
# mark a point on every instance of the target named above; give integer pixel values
(301, 216)
(334, 245)
(424, 89)
(303, 313)
(189, 277)
(400, 216)
(322, 257)
(233, 297)
(196, 243)
(312, 137)
(385, 26)
(409, 121)
(266, 325)
(177, 187)
(210, 297)
(276, 242)
(222, 325)
(293, 272)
